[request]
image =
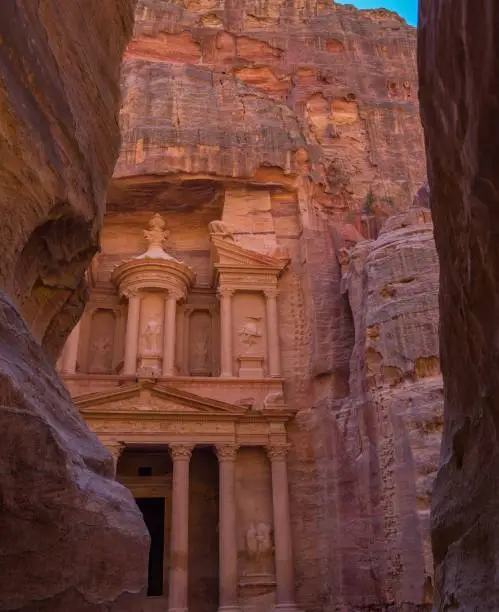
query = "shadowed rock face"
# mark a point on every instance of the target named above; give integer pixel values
(59, 97)
(71, 538)
(459, 93)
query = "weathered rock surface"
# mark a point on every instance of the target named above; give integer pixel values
(71, 538)
(268, 91)
(59, 97)
(389, 427)
(459, 47)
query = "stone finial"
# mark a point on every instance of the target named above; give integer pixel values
(156, 236)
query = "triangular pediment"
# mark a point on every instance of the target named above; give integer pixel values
(227, 253)
(147, 397)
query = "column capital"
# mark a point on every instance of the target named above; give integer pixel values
(227, 452)
(225, 292)
(277, 451)
(271, 292)
(174, 294)
(115, 447)
(130, 293)
(180, 451)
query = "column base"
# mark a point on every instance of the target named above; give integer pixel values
(229, 609)
(287, 607)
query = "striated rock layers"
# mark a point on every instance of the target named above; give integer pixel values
(459, 47)
(390, 427)
(296, 123)
(71, 538)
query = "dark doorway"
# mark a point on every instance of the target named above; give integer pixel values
(203, 531)
(153, 511)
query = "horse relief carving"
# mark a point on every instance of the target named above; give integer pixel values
(250, 332)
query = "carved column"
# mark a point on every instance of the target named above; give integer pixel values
(116, 448)
(227, 454)
(132, 334)
(181, 455)
(170, 333)
(187, 340)
(226, 331)
(70, 353)
(274, 350)
(285, 599)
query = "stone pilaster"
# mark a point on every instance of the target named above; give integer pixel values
(116, 449)
(274, 351)
(226, 361)
(170, 332)
(285, 598)
(181, 455)
(132, 333)
(227, 455)
(70, 353)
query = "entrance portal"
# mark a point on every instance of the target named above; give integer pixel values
(203, 531)
(153, 511)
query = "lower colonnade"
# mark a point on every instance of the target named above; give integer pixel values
(163, 438)
(226, 453)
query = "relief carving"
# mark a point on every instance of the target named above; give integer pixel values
(221, 230)
(201, 343)
(152, 334)
(250, 332)
(259, 553)
(258, 541)
(101, 355)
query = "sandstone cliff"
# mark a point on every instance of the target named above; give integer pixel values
(71, 538)
(298, 122)
(459, 85)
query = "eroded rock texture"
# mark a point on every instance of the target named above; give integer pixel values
(387, 433)
(459, 47)
(71, 538)
(296, 122)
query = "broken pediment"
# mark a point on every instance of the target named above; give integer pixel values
(227, 253)
(156, 398)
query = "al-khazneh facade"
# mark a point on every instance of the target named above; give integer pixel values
(176, 366)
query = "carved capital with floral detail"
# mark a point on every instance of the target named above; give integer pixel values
(115, 447)
(130, 293)
(271, 292)
(227, 452)
(277, 452)
(181, 452)
(224, 292)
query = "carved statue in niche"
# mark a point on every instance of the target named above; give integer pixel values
(250, 332)
(200, 352)
(151, 337)
(259, 546)
(101, 357)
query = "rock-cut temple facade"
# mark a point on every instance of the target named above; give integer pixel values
(176, 365)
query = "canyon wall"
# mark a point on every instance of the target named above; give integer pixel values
(296, 123)
(459, 92)
(72, 538)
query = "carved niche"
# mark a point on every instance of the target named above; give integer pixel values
(151, 334)
(250, 334)
(200, 350)
(102, 341)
